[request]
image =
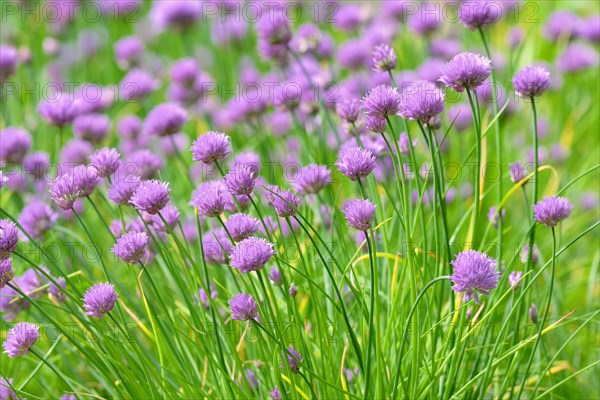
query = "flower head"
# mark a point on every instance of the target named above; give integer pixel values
(479, 13)
(514, 279)
(165, 119)
(240, 180)
(294, 359)
(91, 127)
(533, 313)
(348, 109)
(251, 254)
(243, 307)
(211, 147)
(241, 226)
(275, 276)
(99, 299)
(9, 235)
(466, 71)
(312, 178)
(275, 394)
(210, 201)
(285, 203)
(55, 292)
(551, 210)
(421, 101)
(217, 246)
(474, 273)
(274, 29)
(375, 123)
(535, 254)
(151, 196)
(105, 161)
(577, 57)
(6, 272)
(6, 393)
(356, 162)
(20, 339)
(14, 144)
(123, 187)
(517, 172)
(383, 101)
(384, 58)
(60, 110)
(531, 81)
(494, 215)
(37, 218)
(132, 247)
(359, 214)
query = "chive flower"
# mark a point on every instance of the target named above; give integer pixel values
(20, 339)
(151, 196)
(243, 307)
(474, 273)
(466, 71)
(251, 254)
(99, 299)
(551, 210)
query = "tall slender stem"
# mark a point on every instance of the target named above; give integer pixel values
(476, 195)
(371, 331)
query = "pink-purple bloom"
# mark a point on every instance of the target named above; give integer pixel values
(285, 203)
(14, 144)
(6, 272)
(243, 307)
(59, 110)
(474, 273)
(91, 127)
(251, 254)
(384, 58)
(240, 180)
(9, 236)
(165, 119)
(151, 196)
(514, 279)
(241, 226)
(356, 162)
(312, 178)
(531, 81)
(383, 101)
(20, 339)
(466, 71)
(105, 161)
(348, 109)
(37, 218)
(99, 299)
(211, 147)
(294, 359)
(551, 210)
(359, 214)
(421, 101)
(479, 13)
(132, 247)
(123, 187)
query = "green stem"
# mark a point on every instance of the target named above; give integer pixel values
(476, 195)
(371, 331)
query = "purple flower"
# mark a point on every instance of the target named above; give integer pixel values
(132, 247)
(466, 71)
(241, 226)
(274, 28)
(421, 101)
(129, 127)
(293, 290)
(55, 292)
(474, 273)
(551, 210)
(6, 272)
(250, 159)
(531, 81)
(85, 178)
(479, 13)
(375, 123)
(312, 178)
(275, 394)
(562, 23)
(9, 236)
(535, 254)
(76, 152)
(64, 191)
(106, 161)
(514, 279)
(59, 110)
(577, 57)
(383, 101)
(356, 162)
(275, 276)
(348, 109)
(91, 127)
(589, 28)
(129, 51)
(165, 119)
(243, 307)
(203, 297)
(137, 84)
(8, 61)
(37, 218)
(20, 339)
(533, 313)
(14, 144)
(251, 254)
(240, 180)
(123, 187)
(99, 299)
(494, 217)
(170, 213)
(462, 116)
(211, 147)
(359, 214)
(217, 246)
(384, 58)
(294, 359)
(285, 203)
(209, 202)
(146, 162)
(151, 196)
(517, 172)
(175, 14)
(37, 164)
(6, 393)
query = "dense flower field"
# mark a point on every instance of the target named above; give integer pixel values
(299, 199)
